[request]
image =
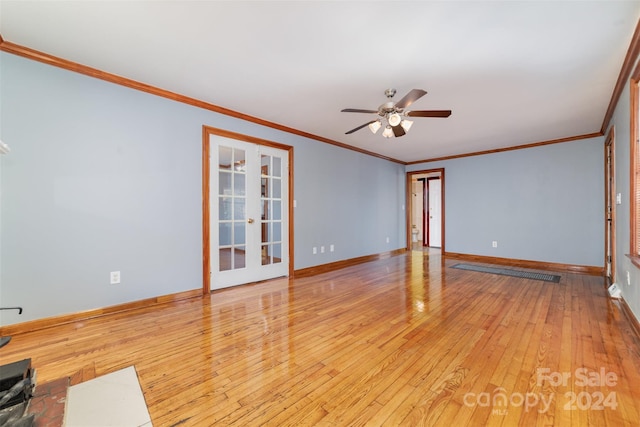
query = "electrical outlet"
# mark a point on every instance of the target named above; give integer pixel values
(387, 240)
(321, 249)
(315, 250)
(331, 248)
(494, 244)
(628, 279)
(115, 277)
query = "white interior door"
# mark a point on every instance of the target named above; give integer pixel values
(249, 212)
(434, 188)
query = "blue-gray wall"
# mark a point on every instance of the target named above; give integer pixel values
(620, 122)
(540, 204)
(103, 178)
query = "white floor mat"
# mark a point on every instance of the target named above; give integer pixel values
(113, 400)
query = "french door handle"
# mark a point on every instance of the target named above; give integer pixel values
(250, 220)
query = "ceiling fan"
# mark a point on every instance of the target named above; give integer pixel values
(394, 114)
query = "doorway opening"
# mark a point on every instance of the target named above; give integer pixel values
(425, 209)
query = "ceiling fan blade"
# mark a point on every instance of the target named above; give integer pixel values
(410, 98)
(398, 130)
(357, 110)
(359, 127)
(429, 113)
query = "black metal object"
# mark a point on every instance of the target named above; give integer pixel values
(17, 381)
(14, 416)
(5, 340)
(16, 384)
(12, 308)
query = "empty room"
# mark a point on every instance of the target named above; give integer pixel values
(331, 213)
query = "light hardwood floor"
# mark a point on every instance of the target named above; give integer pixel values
(400, 341)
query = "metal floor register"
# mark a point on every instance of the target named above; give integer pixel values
(509, 272)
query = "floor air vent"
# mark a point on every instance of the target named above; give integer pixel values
(508, 272)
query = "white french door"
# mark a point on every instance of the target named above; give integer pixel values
(249, 206)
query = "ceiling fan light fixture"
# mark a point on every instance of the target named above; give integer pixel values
(406, 124)
(394, 119)
(388, 132)
(375, 126)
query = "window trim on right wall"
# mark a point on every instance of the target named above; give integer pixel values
(634, 172)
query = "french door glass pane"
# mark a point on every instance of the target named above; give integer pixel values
(239, 236)
(224, 208)
(239, 257)
(225, 158)
(239, 212)
(239, 160)
(239, 184)
(224, 182)
(277, 166)
(225, 234)
(225, 258)
(277, 188)
(277, 210)
(277, 231)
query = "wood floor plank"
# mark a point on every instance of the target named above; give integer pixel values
(405, 340)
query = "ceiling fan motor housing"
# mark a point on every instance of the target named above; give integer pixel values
(387, 108)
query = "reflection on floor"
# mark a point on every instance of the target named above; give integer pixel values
(417, 246)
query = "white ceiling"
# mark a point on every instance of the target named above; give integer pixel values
(512, 72)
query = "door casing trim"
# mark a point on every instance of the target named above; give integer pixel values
(409, 207)
(207, 131)
(609, 196)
